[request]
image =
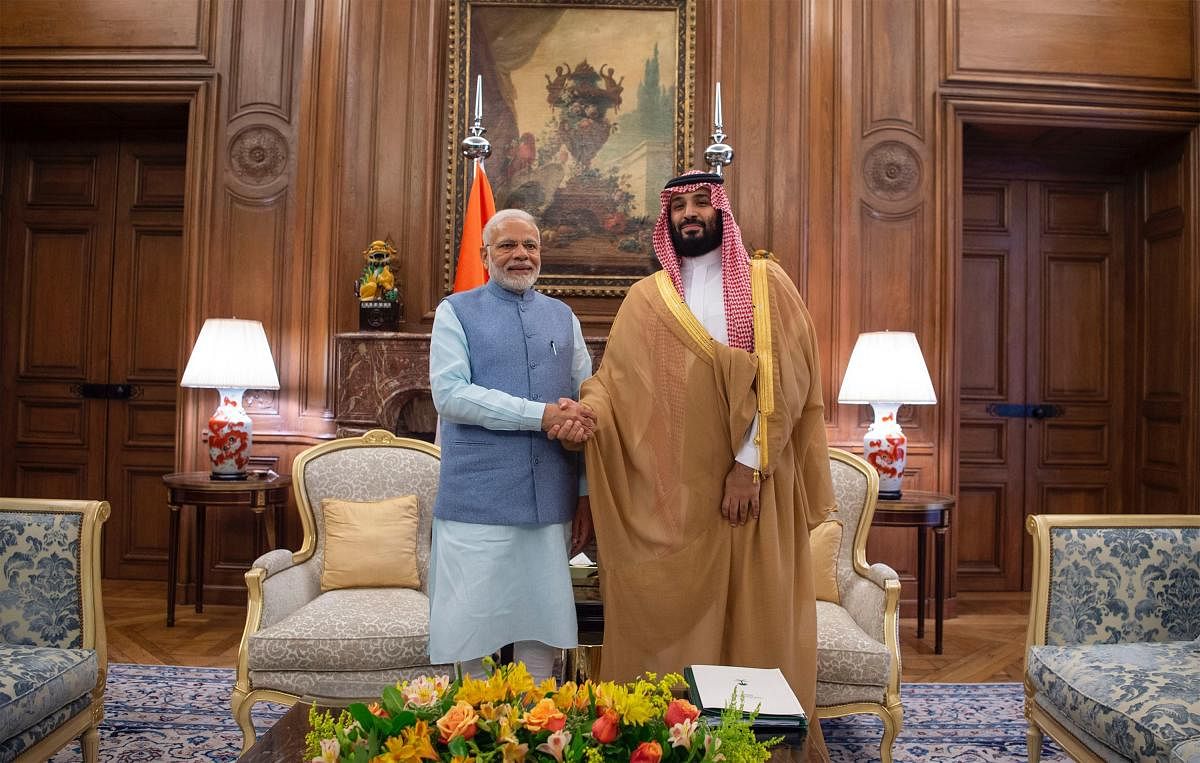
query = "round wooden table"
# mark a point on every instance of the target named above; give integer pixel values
(257, 493)
(924, 511)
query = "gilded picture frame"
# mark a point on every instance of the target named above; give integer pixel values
(588, 107)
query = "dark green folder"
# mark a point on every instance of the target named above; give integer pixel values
(793, 728)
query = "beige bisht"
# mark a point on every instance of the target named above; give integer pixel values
(680, 585)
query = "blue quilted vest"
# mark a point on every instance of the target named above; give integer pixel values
(521, 344)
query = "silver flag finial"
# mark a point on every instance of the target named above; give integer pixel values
(719, 153)
(475, 146)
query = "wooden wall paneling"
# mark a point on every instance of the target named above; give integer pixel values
(888, 80)
(250, 272)
(319, 153)
(1166, 306)
(108, 31)
(1147, 45)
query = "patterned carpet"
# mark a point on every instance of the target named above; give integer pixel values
(156, 713)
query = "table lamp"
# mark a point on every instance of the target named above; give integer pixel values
(230, 356)
(887, 370)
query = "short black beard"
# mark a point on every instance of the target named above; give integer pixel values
(694, 247)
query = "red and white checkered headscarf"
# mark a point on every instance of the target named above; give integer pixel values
(735, 261)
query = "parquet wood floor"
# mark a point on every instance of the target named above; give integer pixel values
(985, 642)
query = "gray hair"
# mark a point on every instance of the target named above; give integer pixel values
(504, 215)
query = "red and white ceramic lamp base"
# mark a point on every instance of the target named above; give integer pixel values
(229, 435)
(885, 447)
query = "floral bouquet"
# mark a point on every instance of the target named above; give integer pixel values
(507, 718)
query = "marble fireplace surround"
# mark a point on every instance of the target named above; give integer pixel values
(383, 383)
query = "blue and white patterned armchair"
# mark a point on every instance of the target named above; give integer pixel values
(53, 658)
(858, 640)
(348, 644)
(1112, 666)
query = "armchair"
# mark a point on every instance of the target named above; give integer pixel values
(344, 644)
(858, 642)
(1112, 659)
(53, 654)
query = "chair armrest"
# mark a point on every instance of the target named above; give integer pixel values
(865, 598)
(281, 585)
(274, 561)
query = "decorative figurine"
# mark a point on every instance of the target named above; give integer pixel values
(379, 305)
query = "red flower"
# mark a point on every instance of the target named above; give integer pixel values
(681, 710)
(604, 729)
(646, 752)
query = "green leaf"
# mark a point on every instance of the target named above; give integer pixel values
(364, 717)
(458, 747)
(393, 701)
(400, 721)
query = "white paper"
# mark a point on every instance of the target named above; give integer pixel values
(581, 560)
(764, 688)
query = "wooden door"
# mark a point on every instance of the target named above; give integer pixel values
(1042, 397)
(92, 285)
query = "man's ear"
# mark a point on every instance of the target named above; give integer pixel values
(483, 255)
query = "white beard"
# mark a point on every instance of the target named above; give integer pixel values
(512, 282)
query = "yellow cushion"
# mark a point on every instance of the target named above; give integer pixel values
(825, 541)
(370, 544)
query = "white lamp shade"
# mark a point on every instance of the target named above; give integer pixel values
(231, 354)
(887, 366)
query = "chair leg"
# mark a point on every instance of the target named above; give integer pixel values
(90, 744)
(1033, 743)
(893, 720)
(241, 713)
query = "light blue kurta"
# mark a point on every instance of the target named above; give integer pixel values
(492, 585)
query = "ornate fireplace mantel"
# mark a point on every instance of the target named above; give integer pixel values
(383, 382)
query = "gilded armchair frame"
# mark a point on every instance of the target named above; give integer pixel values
(1040, 527)
(244, 696)
(890, 710)
(85, 724)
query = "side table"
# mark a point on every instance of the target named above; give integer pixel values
(924, 511)
(257, 493)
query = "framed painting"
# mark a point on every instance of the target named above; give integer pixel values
(588, 109)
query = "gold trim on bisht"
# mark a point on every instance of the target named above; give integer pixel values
(679, 309)
(763, 347)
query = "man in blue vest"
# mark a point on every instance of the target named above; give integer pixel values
(505, 365)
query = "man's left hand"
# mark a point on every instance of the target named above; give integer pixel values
(740, 502)
(581, 526)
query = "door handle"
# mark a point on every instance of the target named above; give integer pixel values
(90, 391)
(1046, 411)
(1023, 411)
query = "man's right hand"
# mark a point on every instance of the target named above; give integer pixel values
(569, 422)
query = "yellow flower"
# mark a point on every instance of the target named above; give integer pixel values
(639, 705)
(513, 752)
(517, 680)
(411, 746)
(564, 698)
(546, 688)
(476, 692)
(592, 755)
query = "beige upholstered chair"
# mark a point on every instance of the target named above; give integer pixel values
(347, 644)
(53, 653)
(858, 642)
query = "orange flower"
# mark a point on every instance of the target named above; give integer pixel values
(459, 721)
(604, 729)
(681, 710)
(544, 715)
(377, 709)
(646, 752)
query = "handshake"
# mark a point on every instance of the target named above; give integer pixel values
(569, 422)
